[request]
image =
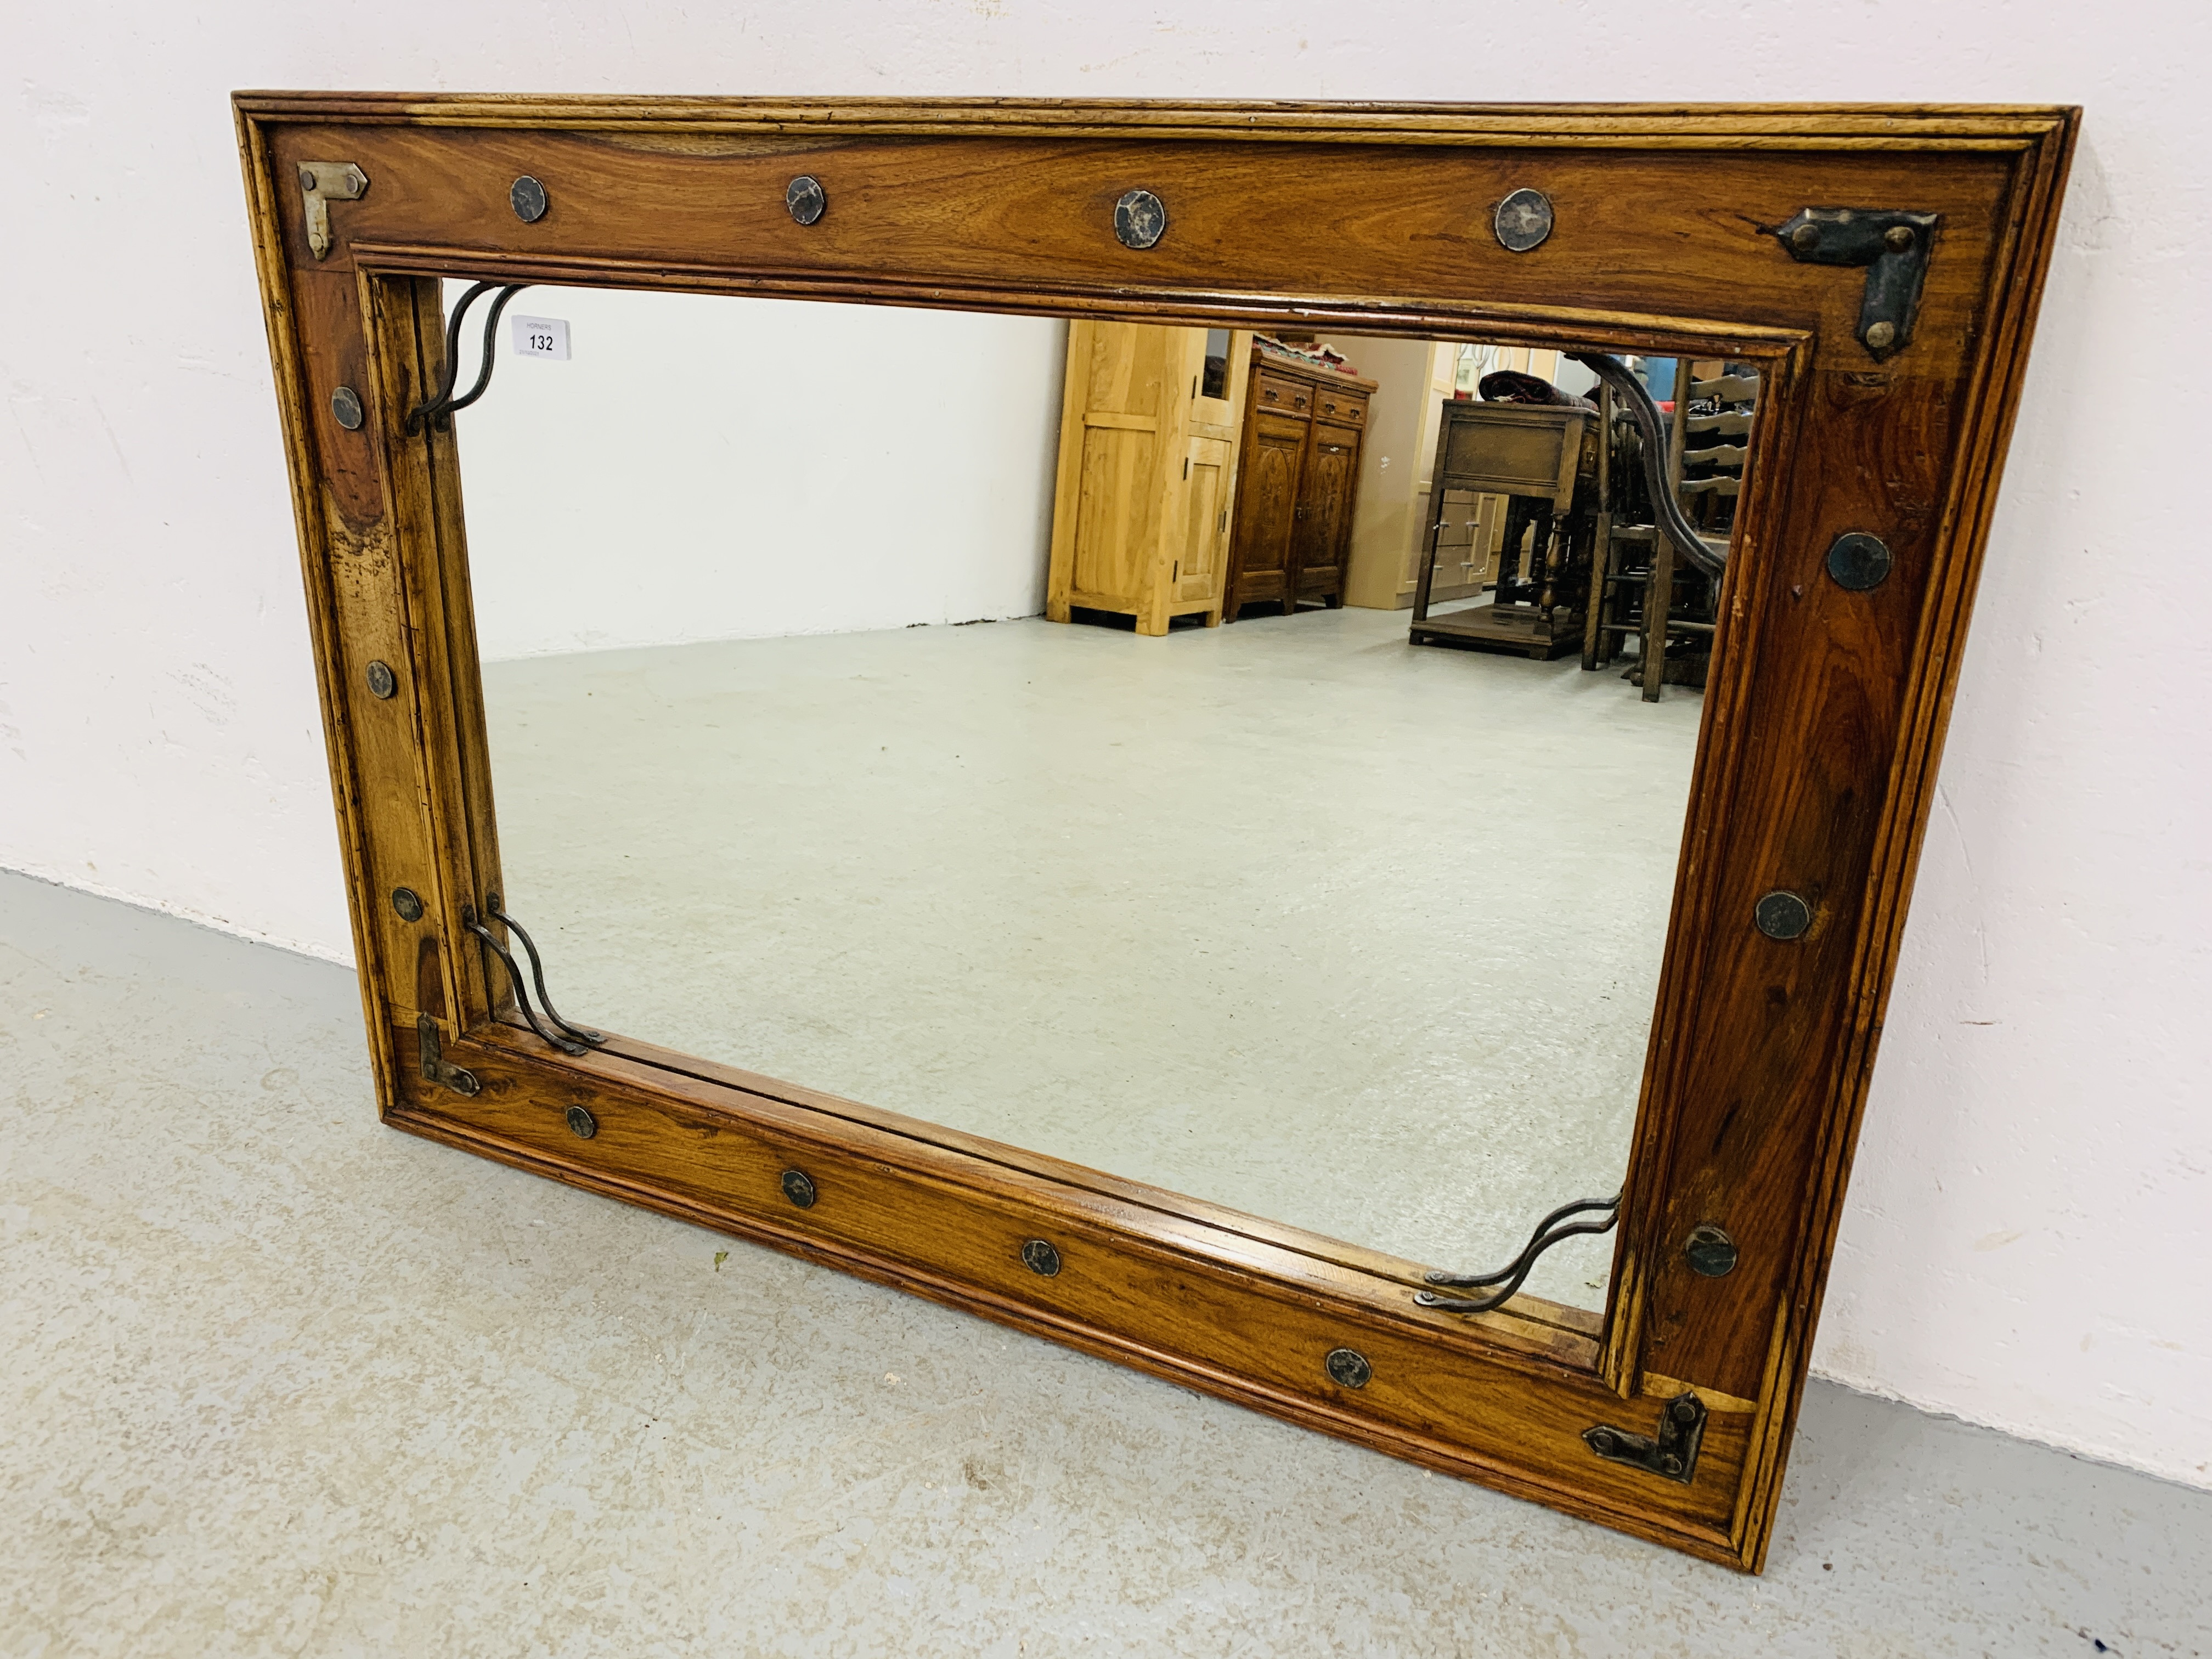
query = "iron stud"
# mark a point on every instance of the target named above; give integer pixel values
(1710, 1251)
(581, 1123)
(1522, 221)
(346, 410)
(1781, 915)
(408, 903)
(805, 198)
(1140, 219)
(527, 198)
(1858, 561)
(798, 1187)
(1041, 1258)
(381, 681)
(1347, 1367)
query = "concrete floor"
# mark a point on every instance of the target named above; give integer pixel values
(275, 1380)
(1291, 915)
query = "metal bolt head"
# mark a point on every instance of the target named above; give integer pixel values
(1347, 1367)
(1782, 915)
(1685, 1411)
(1603, 1441)
(805, 198)
(581, 1123)
(798, 1187)
(1858, 561)
(1522, 221)
(1879, 336)
(1897, 238)
(346, 410)
(1140, 219)
(1670, 1464)
(1806, 237)
(1711, 1252)
(527, 198)
(408, 903)
(307, 179)
(1040, 1258)
(381, 681)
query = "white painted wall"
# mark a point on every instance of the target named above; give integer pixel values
(1391, 509)
(705, 467)
(2032, 1215)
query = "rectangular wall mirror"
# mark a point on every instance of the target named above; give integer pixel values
(796, 770)
(1282, 743)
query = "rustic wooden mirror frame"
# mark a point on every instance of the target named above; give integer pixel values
(1816, 761)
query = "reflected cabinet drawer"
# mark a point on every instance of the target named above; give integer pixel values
(1285, 395)
(1338, 406)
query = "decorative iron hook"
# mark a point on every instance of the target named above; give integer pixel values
(1549, 1231)
(1712, 559)
(439, 412)
(515, 977)
(538, 973)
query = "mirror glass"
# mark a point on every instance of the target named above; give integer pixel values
(1171, 751)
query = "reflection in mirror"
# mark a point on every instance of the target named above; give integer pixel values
(1250, 765)
(1215, 382)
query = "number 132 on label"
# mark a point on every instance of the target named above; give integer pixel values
(541, 336)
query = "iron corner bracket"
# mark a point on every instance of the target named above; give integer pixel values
(458, 1079)
(322, 183)
(1672, 1454)
(1893, 246)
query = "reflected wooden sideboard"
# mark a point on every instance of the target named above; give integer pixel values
(1303, 425)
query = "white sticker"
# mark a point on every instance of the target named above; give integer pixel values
(541, 336)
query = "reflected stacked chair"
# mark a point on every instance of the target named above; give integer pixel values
(1708, 439)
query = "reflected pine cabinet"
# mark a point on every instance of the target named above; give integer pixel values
(1147, 461)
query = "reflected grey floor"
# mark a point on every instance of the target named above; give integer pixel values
(1291, 915)
(274, 1379)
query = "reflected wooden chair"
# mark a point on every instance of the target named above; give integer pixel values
(1716, 441)
(1639, 585)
